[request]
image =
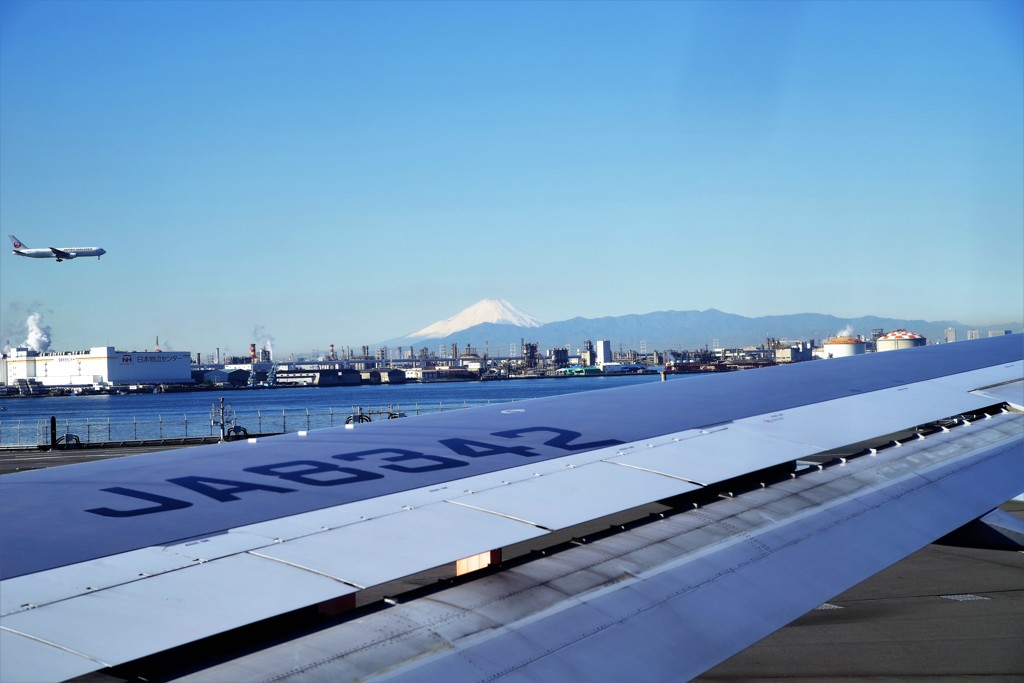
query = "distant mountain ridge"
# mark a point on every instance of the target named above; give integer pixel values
(683, 330)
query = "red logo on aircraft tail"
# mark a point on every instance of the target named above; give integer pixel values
(17, 244)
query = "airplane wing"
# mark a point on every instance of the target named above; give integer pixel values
(61, 254)
(676, 521)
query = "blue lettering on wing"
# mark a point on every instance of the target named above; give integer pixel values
(403, 455)
(320, 474)
(163, 503)
(563, 438)
(223, 490)
(303, 471)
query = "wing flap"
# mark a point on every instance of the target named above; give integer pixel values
(27, 660)
(35, 590)
(577, 495)
(393, 546)
(762, 441)
(831, 424)
(1008, 392)
(708, 457)
(116, 625)
(983, 377)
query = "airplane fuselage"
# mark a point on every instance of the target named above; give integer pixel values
(61, 253)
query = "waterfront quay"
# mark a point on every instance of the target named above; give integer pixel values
(163, 418)
(28, 372)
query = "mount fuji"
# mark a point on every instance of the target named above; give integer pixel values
(496, 311)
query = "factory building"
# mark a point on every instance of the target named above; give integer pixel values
(317, 378)
(100, 365)
(604, 352)
(899, 339)
(793, 353)
(383, 376)
(558, 358)
(237, 378)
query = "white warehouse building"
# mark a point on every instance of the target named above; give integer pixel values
(100, 365)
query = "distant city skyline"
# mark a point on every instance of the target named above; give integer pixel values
(316, 173)
(689, 330)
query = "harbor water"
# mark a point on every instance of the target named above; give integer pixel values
(136, 417)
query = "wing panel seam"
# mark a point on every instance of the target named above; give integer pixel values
(304, 568)
(58, 646)
(499, 514)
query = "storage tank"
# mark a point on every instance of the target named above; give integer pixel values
(899, 339)
(843, 346)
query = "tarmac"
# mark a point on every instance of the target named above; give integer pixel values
(942, 614)
(14, 460)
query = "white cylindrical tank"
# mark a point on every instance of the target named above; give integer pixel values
(899, 339)
(843, 346)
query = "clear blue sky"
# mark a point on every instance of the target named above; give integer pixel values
(350, 172)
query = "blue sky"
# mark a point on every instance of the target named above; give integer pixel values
(345, 172)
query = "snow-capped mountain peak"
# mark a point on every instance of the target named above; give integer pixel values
(483, 311)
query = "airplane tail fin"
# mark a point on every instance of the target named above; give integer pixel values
(18, 244)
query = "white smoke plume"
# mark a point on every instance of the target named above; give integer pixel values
(845, 332)
(264, 339)
(38, 334)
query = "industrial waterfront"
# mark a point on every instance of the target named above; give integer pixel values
(33, 369)
(28, 372)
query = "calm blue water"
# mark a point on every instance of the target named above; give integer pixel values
(150, 416)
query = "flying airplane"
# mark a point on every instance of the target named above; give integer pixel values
(646, 532)
(60, 253)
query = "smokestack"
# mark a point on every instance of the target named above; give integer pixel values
(252, 353)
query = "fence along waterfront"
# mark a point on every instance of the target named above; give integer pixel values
(29, 432)
(99, 419)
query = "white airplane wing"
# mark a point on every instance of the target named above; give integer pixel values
(647, 532)
(61, 254)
